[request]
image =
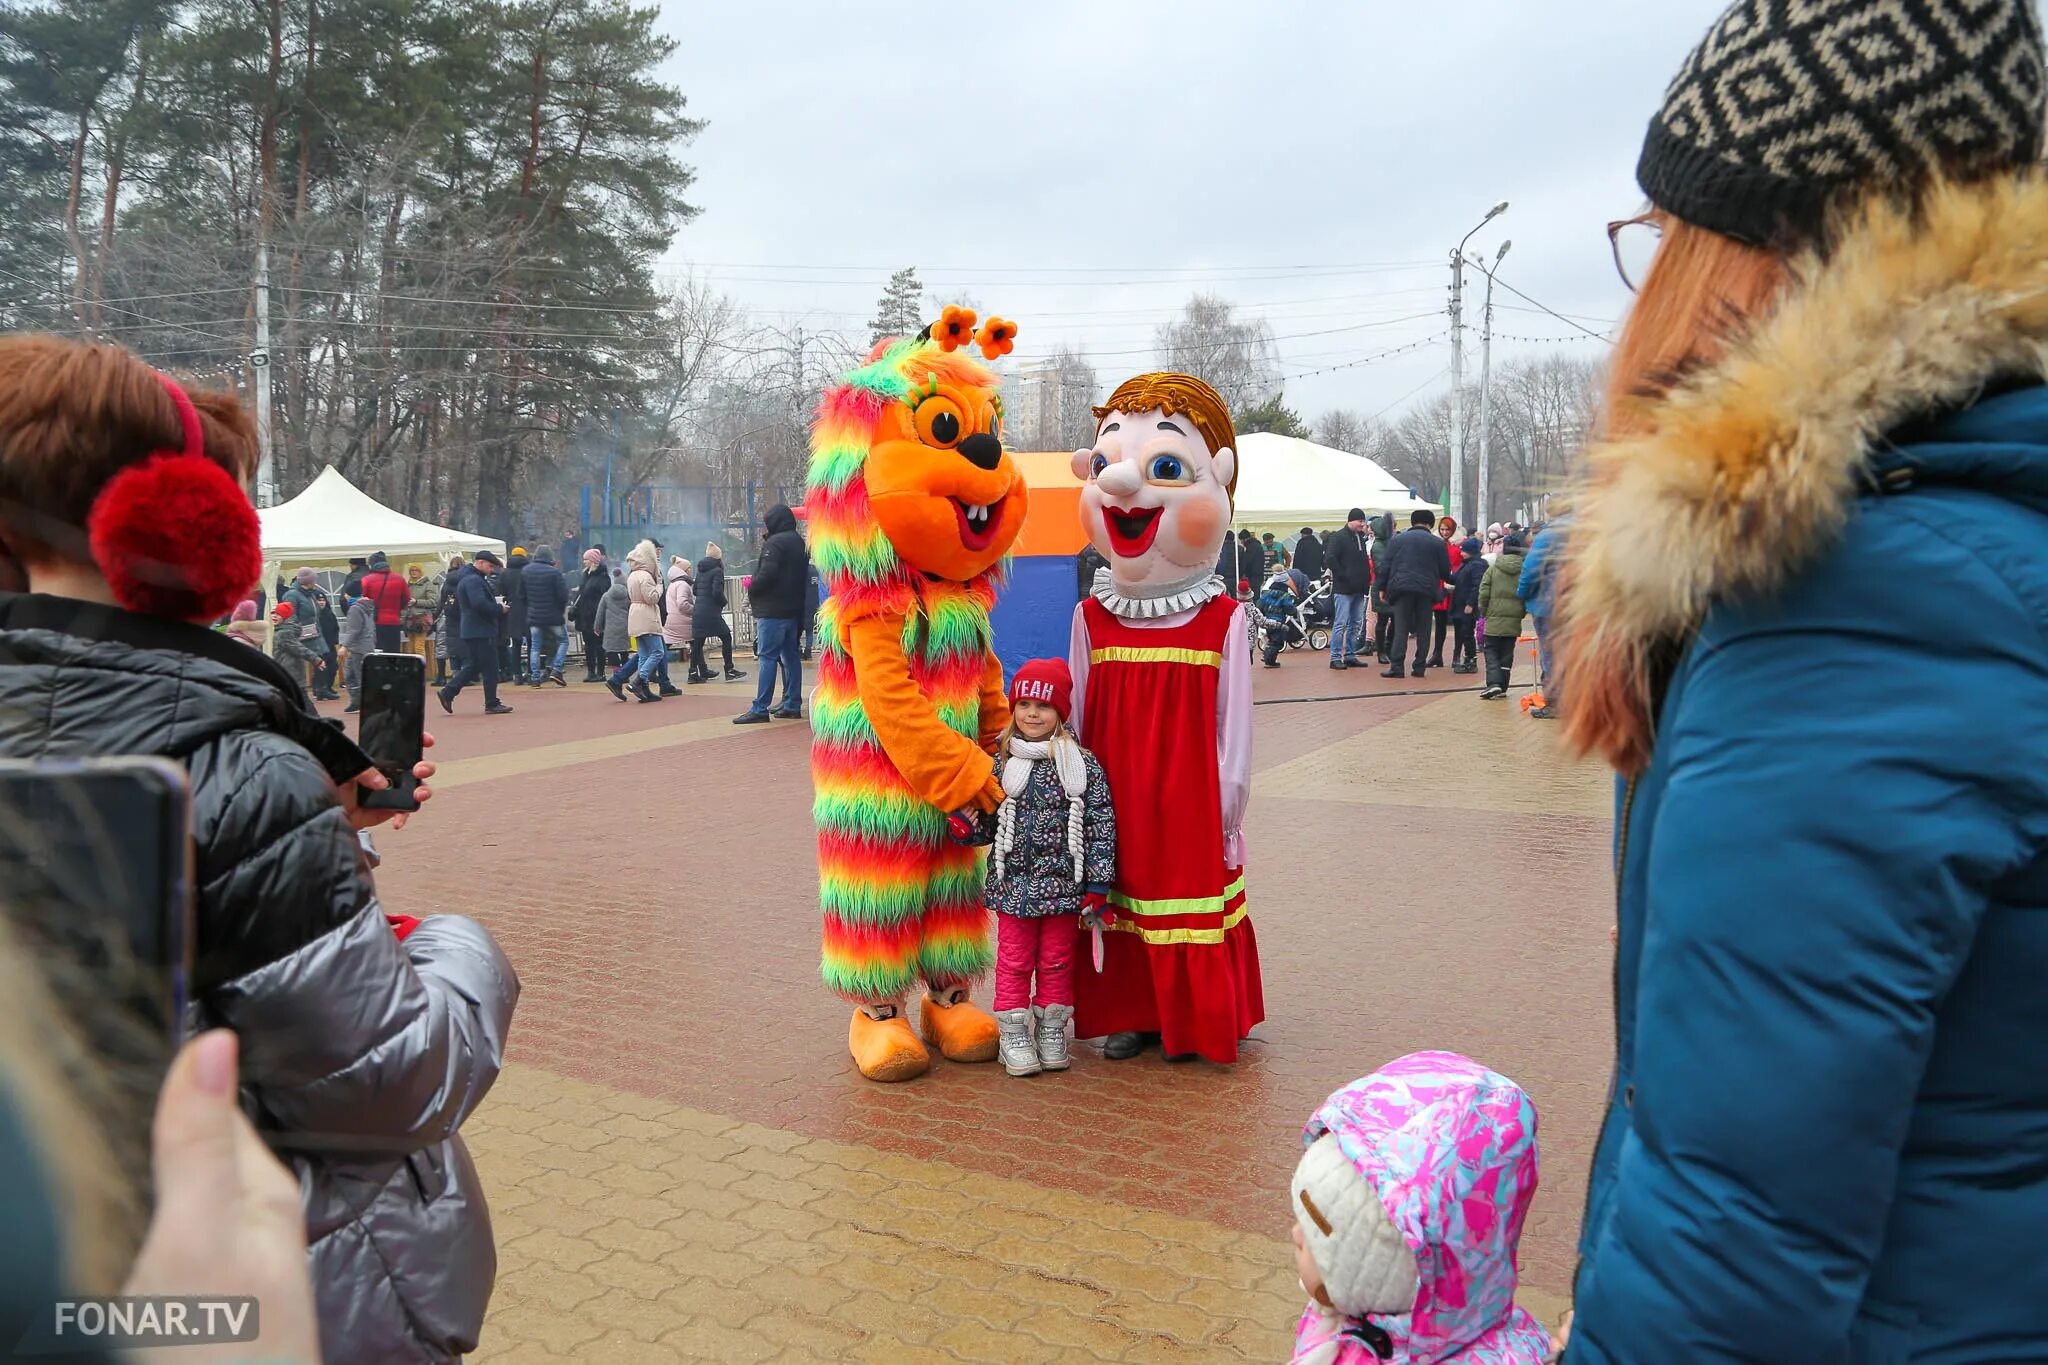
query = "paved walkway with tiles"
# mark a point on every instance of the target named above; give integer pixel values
(682, 1163)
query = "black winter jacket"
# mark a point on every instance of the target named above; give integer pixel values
(782, 572)
(476, 598)
(1308, 556)
(1418, 561)
(546, 596)
(361, 1054)
(1465, 587)
(512, 587)
(707, 616)
(596, 583)
(1350, 566)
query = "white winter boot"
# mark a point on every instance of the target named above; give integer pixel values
(1052, 1036)
(1019, 1054)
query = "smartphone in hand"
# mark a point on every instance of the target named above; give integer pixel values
(392, 725)
(96, 866)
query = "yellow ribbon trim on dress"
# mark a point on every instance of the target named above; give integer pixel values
(1186, 905)
(1136, 654)
(1206, 936)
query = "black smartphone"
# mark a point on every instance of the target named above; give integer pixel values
(392, 725)
(96, 865)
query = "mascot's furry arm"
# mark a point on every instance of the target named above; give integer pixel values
(913, 507)
(938, 763)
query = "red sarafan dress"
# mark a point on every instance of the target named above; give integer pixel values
(1182, 960)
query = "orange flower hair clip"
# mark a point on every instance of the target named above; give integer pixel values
(954, 329)
(998, 337)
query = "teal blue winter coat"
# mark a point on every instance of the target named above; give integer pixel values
(1827, 1140)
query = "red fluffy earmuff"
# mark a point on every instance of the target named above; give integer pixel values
(175, 535)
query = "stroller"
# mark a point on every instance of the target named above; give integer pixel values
(1298, 629)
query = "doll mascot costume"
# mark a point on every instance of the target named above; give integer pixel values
(913, 506)
(1162, 696)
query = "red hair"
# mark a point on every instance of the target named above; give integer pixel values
(1702, 290)
(73, 415)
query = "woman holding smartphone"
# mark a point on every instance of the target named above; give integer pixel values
(361, 1054)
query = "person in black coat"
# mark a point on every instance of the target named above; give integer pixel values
(1382, 612)
(596, 583)
(512, 587)
(707, 617)
(1308, 555)
(1418, 565)
(776, 592)
(1465, 607)
(1350, 579)
(547, 603)
(1086, 565)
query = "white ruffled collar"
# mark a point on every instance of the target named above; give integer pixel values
(1166, 600)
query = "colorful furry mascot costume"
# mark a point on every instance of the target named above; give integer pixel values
(913, 506)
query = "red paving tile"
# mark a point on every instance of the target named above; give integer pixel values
(662, 910)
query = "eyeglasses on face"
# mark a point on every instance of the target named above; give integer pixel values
(1634, 242)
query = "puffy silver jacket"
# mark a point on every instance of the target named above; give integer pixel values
(361, 1055)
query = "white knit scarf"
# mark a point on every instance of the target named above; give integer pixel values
(1151, 602)
(1024, 756)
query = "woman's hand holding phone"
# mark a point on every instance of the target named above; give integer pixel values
(372, 780)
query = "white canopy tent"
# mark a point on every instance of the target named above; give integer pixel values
(334, 521)
(1285, 483)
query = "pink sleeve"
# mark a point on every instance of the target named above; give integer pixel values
(1234, 736)
(1077, 664)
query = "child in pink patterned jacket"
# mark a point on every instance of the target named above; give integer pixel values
(1408, 1205)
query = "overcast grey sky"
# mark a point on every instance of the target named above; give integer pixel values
(1082, 166)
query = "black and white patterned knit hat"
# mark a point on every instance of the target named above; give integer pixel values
(1787, 103)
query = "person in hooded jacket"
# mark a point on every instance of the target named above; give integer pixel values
(447, 619)
(1465, 607)
(643, 623)
(1382, 529)
(1827, 1127)
(1409, 1201)
(776, 591)
(707, 620)
(1500, 610)
(678, 606)
(596, 583)
(613, 609)
(547, 602)
(511, 585)
(361, 1053)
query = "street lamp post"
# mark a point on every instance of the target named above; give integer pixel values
(1457, 493)
(1486, 384)
(259, 355)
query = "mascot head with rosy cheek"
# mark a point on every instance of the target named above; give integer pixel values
(1159, 482)
(909, 480)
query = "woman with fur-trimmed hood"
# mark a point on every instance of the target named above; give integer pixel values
(1825, 1134)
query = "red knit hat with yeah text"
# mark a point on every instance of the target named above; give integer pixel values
(1045, 680)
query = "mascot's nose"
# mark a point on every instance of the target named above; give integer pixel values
(982, 450)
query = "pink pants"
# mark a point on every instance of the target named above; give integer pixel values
(1042, 943)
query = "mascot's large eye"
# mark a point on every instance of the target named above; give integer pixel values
(938, 422)
(1168, 469)
(1098, 464)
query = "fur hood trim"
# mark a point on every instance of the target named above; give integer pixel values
(1747, 470)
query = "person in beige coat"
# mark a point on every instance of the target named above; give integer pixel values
(643, 622)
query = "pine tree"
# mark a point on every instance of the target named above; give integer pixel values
(899, 313)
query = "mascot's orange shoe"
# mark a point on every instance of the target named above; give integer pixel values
(886, 1049)
(963, 1030)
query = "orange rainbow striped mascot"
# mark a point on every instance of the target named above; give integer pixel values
(913, 506)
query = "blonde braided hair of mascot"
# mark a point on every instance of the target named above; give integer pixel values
(913, 506)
